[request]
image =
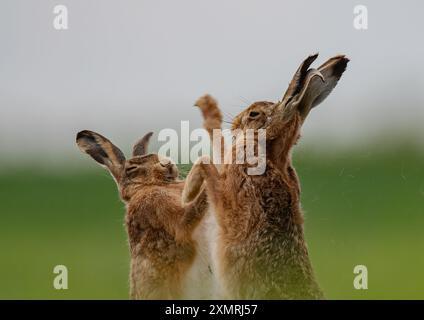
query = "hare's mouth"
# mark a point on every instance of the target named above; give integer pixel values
(172, 173)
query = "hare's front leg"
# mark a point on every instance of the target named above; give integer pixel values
(193, 213)
(210, 174)
(202, 170)
(212, 123)
(194, 200)
(193, 182)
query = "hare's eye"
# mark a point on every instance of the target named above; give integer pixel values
(253, 114)
(131, 169)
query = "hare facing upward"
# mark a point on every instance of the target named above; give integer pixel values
(159, 226)
(261, 250)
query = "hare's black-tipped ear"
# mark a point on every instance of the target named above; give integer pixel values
(332, 71)
(299, 77)
(141, 146)
(310, 87)
(102, 150)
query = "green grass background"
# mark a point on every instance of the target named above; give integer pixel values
(360, 208)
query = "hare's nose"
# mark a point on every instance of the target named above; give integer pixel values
(165, 162)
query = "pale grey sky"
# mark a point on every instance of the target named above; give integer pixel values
(127, 67)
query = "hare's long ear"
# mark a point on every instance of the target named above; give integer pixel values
(103, 151)
(141, 146)
(309, 87)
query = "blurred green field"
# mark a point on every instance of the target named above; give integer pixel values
(360, 209)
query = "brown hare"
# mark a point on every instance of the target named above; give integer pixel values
(261, 251)
(160, 228)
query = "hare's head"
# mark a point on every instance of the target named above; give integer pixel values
(307, 89)
(140, 170)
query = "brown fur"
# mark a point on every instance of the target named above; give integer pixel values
(159, 226)
(261, 249)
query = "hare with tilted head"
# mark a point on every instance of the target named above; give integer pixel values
(260, 247)
(160, 228)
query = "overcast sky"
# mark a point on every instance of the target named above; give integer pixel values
(127, 67)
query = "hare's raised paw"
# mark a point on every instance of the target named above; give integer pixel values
(209, 107)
